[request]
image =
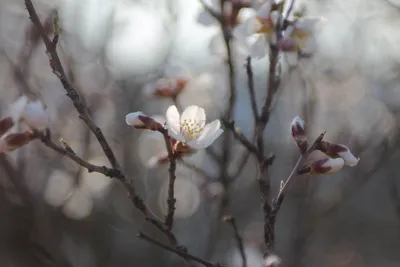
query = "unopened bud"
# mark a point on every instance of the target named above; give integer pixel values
(6, 124)
(166, 87)
(139, 120)
(322, 166)
(298, 133)
(12, 141)
(338, 150)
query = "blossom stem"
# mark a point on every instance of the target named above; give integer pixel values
(171, 200)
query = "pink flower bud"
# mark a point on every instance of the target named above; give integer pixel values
(139, 120)
(338, 150)
(299, 134)
(6, 124)
(12, 141)
(322, 166)
(167, 87)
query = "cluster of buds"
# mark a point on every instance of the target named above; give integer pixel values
(332, 158)
(186, 133)
(24, 111)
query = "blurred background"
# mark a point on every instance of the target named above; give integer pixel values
(54, 213)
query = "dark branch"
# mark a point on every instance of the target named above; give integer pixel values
(182, 252)
(169, 220)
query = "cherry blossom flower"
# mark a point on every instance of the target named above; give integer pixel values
(258, 29)
(298, 39)
(191, 127)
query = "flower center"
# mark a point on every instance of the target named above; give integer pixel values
(190, 129)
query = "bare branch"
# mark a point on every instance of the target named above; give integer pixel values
(250, 83)
(180, 251)
(169, 220)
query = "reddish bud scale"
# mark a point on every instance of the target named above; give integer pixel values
(299, 134)
(5, 125)
(149, 123)
(171, 89)
(17, 140)
(331, 149)
(315, 167)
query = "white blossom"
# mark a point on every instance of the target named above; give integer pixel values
(298, 38)
(35, 115)
(191, 127)
(32, 113)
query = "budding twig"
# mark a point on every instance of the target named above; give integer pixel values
(72, 93)
(169, 220)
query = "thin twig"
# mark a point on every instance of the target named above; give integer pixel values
(237, 133)
(300, 162)
(238, 238)
(178, 251)
(169, 220)
(250, 83)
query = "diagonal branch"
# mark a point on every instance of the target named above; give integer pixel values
(182, 252)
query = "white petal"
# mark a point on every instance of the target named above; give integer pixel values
(206, 19)
(258, 49)
(18, 107)
(265, 10)
(292, 58)
(175, 71)
(149, 89)
(36, 116)
(210, 132)
(335, 164)
(132, 119)
(247, 28)
(348, 158)
(217, 46)
(194, 113)
(308, 45)
(245, 14)
(306, 23)
(274, 17)
(174, 123)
